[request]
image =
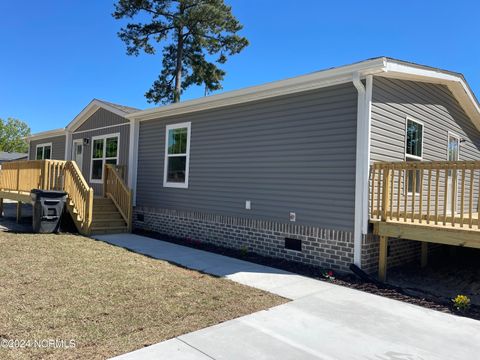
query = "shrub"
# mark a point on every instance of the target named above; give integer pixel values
(461, 303)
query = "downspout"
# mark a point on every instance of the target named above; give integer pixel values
(359, 169)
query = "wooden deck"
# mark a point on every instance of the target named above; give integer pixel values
(18, 178)
(416, 200)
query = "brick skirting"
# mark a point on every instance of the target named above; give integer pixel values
(321, 247)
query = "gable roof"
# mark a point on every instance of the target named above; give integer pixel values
(93, 106)
(89, 110)
(380, 66)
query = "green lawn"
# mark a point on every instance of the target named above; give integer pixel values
(106, 299)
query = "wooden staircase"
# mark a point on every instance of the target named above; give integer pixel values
(109, 214)
(106, 217)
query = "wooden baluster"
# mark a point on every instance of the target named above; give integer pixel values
(386, 193)
(392, 189)
(414, 191)
(462, 197)
(429, 190)
(470, 201)
(399, 193)
(405, 193)
(379, 210)
(454, 193)
(420, 201)
(445, 196)
(437, 194)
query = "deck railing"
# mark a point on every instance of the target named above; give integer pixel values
(80, 194)
(443, 193)
(23, 176)
(115, 188)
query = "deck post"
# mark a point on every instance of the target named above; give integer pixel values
(424, 259)
(19, 211)
(382, 258)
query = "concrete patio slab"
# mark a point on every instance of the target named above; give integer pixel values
(324, 321)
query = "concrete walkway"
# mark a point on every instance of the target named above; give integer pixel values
(323, 321)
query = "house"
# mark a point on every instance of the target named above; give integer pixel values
(284, 169)
(11, 156)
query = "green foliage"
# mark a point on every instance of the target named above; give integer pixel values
(198, 35)
(12, 135)
(461, 303)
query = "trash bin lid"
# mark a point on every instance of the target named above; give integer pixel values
(48, 193)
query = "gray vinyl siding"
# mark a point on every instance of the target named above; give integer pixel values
(291, 153)
(58, 147)
(101, 118)
(123, 130)
(433, 105)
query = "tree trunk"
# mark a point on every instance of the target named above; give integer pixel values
(178, 70)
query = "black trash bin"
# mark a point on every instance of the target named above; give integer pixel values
(47, 210)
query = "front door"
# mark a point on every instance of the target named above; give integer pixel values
(453, 155)
(77, 155)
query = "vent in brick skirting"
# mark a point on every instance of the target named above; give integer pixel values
(293, 244)
(140, 217)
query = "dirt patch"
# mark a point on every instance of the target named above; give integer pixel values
(106, 299)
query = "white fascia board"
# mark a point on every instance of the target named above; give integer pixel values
(312, 81)
(46, 134)
(455, 82)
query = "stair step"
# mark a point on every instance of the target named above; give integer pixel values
(108, 222)
(108, 230)
(102, 201)
(103, 215)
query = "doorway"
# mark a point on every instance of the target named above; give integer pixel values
(77, 155)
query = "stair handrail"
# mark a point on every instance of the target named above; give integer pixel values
(115, 188)
(80, 194)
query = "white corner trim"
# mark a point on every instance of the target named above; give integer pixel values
(366, 163)
(361, 158)
(133, 158)
(187, 154)
(68, 145)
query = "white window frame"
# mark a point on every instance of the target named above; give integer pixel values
(412, 157)
(451, 134)
(187, 154)
(103, 158)
(43, 150)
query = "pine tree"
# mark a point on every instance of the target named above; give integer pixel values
(197, 36)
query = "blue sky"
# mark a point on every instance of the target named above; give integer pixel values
(57, 55)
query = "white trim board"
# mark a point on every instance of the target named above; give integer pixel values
(101, 128)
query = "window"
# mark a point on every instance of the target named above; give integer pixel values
(43, 151)
(413, 152)
(177, 155)
(104, 151)
(414, 139)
